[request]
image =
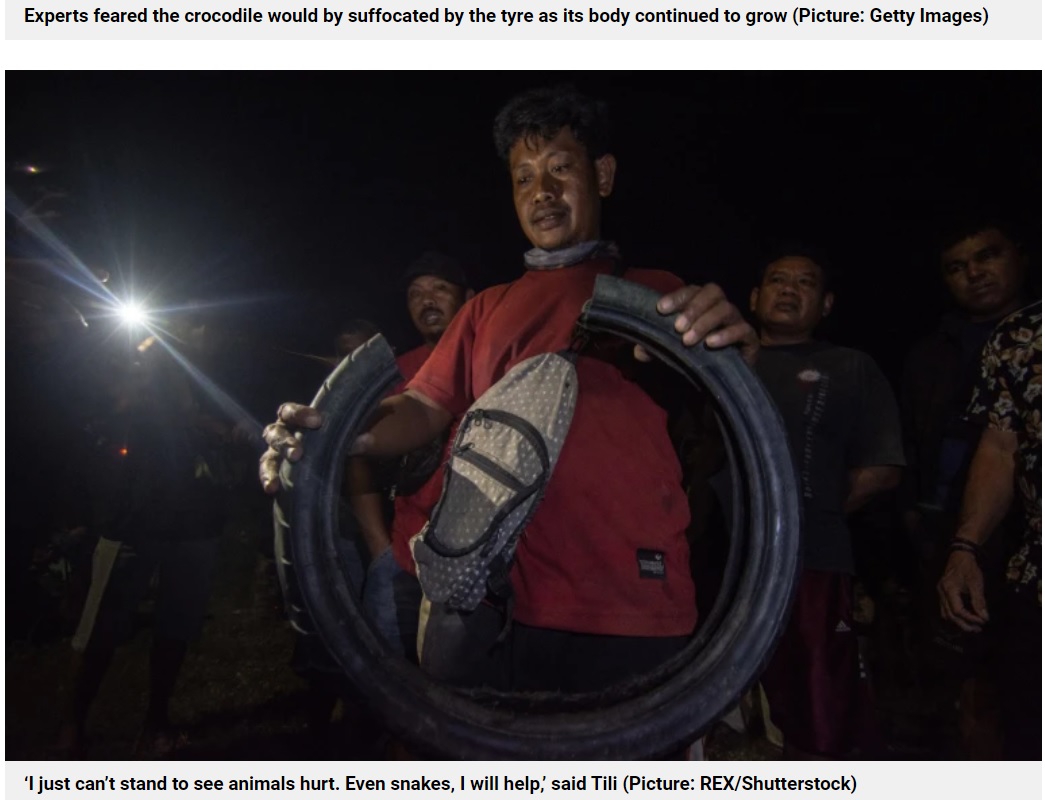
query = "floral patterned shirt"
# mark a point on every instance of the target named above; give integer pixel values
(1008, 398)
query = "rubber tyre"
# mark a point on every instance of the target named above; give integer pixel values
(726, 656)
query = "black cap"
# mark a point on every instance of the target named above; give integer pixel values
(438, 265)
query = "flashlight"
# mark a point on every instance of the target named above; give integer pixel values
(132, 314)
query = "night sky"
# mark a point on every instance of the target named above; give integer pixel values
(308, 193)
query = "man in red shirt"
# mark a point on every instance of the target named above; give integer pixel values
(589, 610)
(436, 289)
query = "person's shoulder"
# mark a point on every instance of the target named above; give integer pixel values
(410, 361)
(861, 357)
(1027, 318)
(412, 354)
(945, 335)
(869, 369)
(1016, 339)
(849, 356)
(853, 353)
(488, 297)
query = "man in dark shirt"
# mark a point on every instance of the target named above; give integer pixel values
(984, 270)
(844, 432)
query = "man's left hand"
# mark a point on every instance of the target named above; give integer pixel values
(705, 315)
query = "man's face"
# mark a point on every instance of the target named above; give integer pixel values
(558, 189)
(791, 300)
(432, 303)
(984, 273)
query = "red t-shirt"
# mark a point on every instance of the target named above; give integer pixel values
(615, 501)
(409, 363)
(411, 510)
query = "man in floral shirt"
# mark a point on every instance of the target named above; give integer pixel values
(1007, 401)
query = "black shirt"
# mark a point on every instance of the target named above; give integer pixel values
(840, 414)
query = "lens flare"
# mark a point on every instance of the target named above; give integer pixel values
(132, 313)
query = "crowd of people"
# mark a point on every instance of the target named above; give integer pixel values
(602, 584)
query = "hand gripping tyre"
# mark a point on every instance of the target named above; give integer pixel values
(651, 716)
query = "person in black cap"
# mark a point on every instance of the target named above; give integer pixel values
(436, 289)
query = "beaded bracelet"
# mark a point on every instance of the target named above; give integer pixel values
(966, 546)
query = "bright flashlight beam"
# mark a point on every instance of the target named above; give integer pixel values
(219, 396)
(71, 269)
(132, 314)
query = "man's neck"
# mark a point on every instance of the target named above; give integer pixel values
(778, 339)
(997, 316)
(568, 256)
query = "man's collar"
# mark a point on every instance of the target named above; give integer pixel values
(568, 256)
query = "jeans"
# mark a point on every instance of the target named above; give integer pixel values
(392, 598)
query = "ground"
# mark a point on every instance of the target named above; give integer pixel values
(238, 698)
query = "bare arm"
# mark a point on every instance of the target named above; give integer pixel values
(989, 487)
(866, 482)
(985, 502)
(367, 505)
(402, 423)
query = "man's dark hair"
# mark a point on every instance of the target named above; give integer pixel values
(362, 328)
(964, 227)
(439, 265)
(796, 250)
(542, 113)
(358, 327)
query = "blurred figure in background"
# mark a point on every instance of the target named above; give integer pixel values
(311, 659)
(151, 470)
(353, 334)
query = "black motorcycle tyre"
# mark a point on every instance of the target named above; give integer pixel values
(729, 651)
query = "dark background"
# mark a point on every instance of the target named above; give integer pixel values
(294, 200)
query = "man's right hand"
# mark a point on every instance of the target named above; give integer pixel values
(402, 423)
(962, 599)
(282, 441)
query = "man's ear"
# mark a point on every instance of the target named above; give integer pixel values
(605, 172)
(828, 303)
(753, 301)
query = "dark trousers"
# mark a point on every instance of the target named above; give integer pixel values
(463, 649)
